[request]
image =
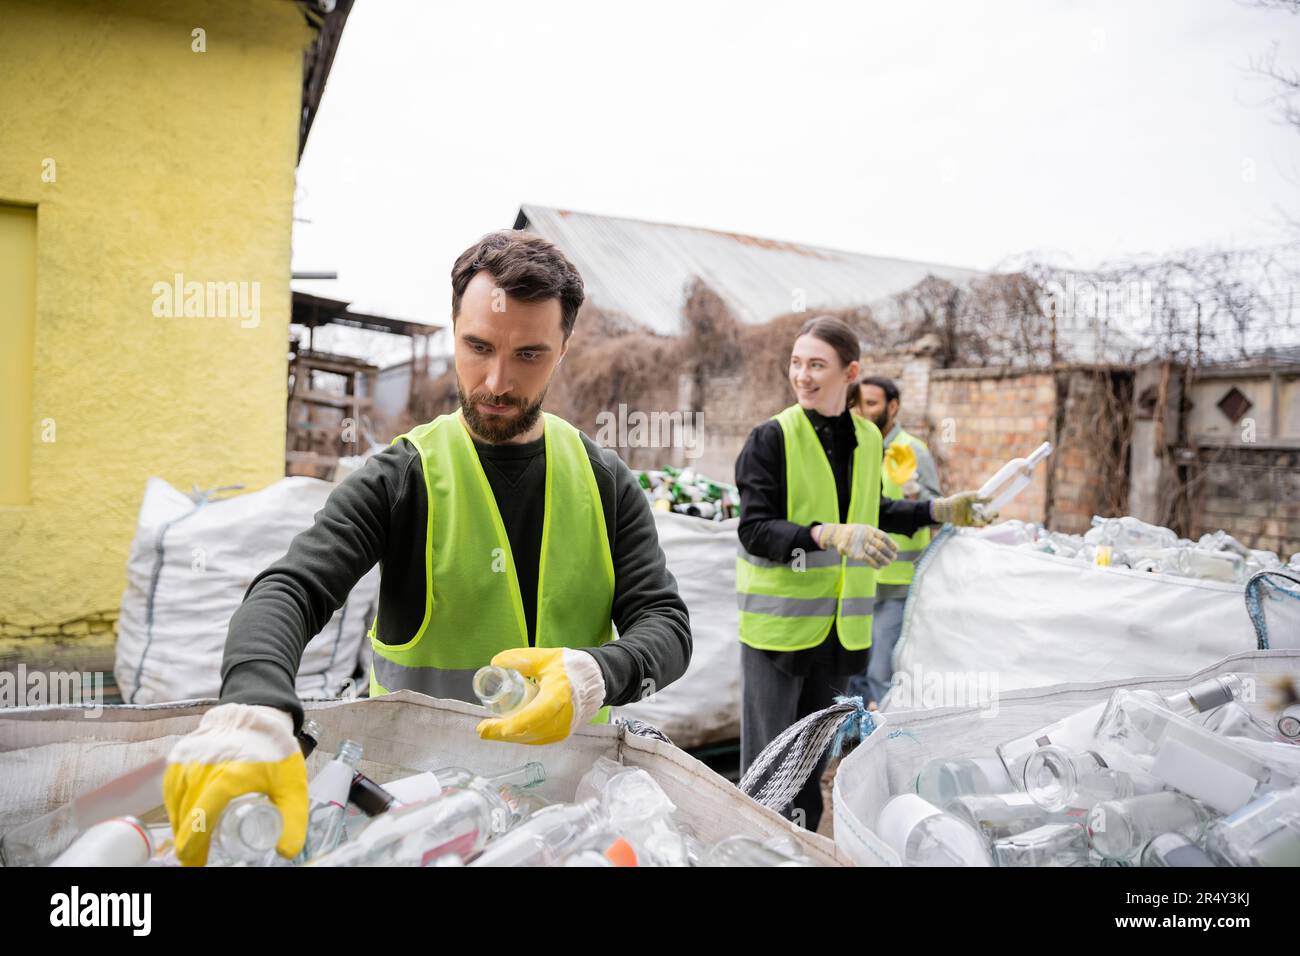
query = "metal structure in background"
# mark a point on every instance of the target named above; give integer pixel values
(327, 18)
(330, 395)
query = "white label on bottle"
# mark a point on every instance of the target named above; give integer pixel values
(1198, 775)
(415, 788)
(1018, 800)
(900, 816)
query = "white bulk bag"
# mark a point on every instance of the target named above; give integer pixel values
(189, 566)
(887, 762)
(1033, 619)
(704, 704)
(50, 755)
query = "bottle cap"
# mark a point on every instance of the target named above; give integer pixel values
(1210, 694)
(620, 853)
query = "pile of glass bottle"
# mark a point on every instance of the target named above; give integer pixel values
(1129, 543)
(620, 816)
(688, 493)
(1192, 779)
(454, 817)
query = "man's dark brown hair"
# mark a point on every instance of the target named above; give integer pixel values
(526, 267)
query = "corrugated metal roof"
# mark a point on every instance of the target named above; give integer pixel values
(641, 269)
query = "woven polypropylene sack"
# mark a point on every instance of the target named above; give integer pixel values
(704, 704)
(189, 566)
(50, 755)
(1036, 619)
(887, 762)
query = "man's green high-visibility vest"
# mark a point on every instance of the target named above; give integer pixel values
(791, 606)
(473, 607)
(909, 548)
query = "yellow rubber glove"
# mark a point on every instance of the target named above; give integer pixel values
(237, 749)
(858, 542)
(900, 463)
(960, 509)
(570, 689)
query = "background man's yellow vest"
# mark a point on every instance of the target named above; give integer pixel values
(791, 606)
(909, 547)
(474, 608)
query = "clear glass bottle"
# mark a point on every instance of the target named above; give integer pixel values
(455, 821)
(1121, 829)
(942, 780)
(1263, 833)
(121, 841)
(996, 816)
(327, 801)
(1139, 732)
(923, 835)
(1074, 732)
(309, 737)
(1215, 565)
(1056, 844)
(1059, 779)
(746, 851)
(545, 837)
(1174, 849)
(1234, 720)
(1288, 722)
(1128, 533)
(247, 830)
(524, 776)
(638, 808)
(503, 690)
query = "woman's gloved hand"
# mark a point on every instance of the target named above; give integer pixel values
(570, 689)
(964, 509)
(237, 749)
(857, 542)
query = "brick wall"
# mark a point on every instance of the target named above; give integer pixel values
(982, 418)
(911, 373)
(1254, 495)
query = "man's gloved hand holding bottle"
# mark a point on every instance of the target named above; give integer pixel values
(237, 749)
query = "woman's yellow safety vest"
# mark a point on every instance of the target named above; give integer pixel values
(473, 607)
(909, 547)
(791, 606)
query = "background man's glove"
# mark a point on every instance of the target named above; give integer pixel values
(961, 509)
(900, 463)
(237, 749)
(858, 542)
(570, 689)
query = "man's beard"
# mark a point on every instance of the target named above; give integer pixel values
(497, 428)
(880, 421)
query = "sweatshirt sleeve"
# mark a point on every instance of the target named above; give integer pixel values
(760, 477)
(900, 516)
(288, 603)
(654, 642)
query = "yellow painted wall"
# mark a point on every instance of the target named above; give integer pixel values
(165, 161)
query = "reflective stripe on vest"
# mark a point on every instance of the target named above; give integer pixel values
(909, 547)
(473, 606)
(791, 606)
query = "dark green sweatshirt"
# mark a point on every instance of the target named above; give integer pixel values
(379, 514)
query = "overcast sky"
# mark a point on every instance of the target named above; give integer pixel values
(949, 132)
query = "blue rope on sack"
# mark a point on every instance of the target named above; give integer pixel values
(779, 772)
(1260, 581)
(857, 726)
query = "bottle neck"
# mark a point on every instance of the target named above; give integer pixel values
(527, 775)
